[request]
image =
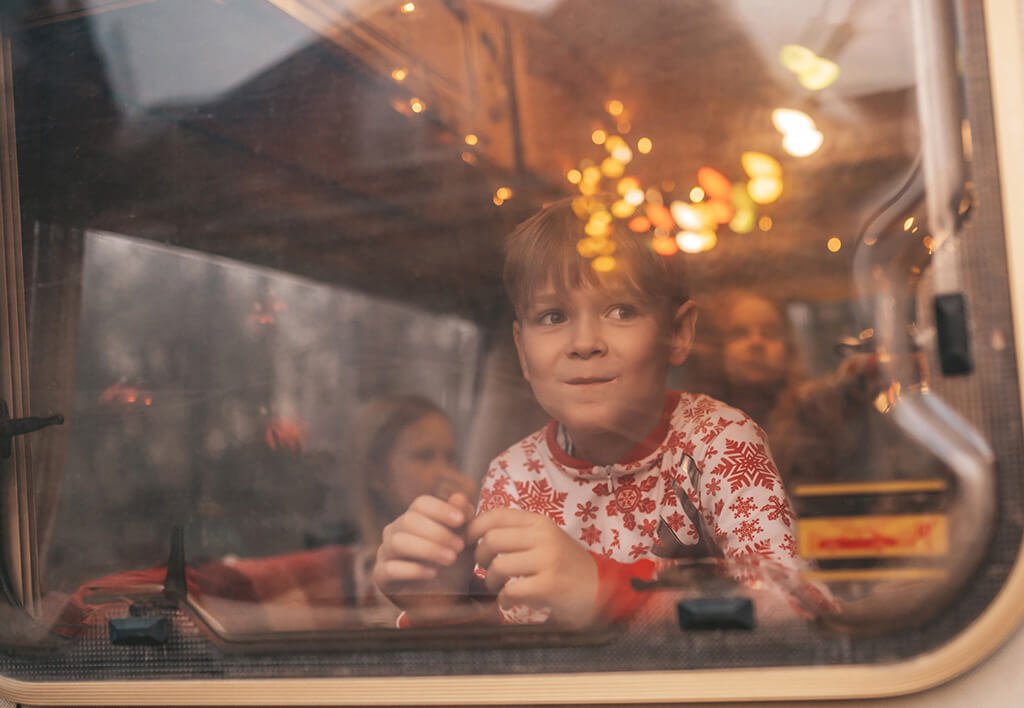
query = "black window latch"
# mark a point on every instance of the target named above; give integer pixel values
(9, 427)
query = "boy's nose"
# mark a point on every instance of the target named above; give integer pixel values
(586, 340)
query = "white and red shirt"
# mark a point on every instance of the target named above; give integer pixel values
(614, 510)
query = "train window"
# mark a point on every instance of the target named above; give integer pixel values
(467, 338)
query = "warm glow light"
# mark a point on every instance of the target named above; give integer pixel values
(503, 193)
(696, 241)
(764, 190)
(598, 136)
(653, 196)
(929, 243)
(644, 145)
(635, 197)
(471, 139)
(498, 201)
(801, 143)
(623, 154)
(597, 229)
(622, 209)
(614, 142)
(399, 74)
(687, 216)
(743, 221)
(624, 126)
(764, 223)
(417, 105)
(588, 247)
(719, 210)
(834, 244)
(603, 264)
(757, 164)
(611, 167)
(614, 107)
(822, 74)
(409, 7)
(667, 185)
(715, 184)
(469, 158)
(696, 195)
(786, 120)
(908, 223)
(797, 58)
(639, 224)
(660, 216)
(574, 176)
(581, 207)
(664, 245)
(591, 174)
(627, 185)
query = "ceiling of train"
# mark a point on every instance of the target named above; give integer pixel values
(329, 137)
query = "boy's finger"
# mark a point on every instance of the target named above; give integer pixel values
(520, 590)
(397, 571)
(498, 518)
(461, 501)
(410, 546)
(416, 524)
(453, 515)
(506, 566)
(502, 540)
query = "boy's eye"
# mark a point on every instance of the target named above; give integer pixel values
(623, 312)
(551, 317)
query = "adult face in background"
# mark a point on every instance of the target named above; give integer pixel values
(755, 355)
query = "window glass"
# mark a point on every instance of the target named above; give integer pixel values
(263, 246)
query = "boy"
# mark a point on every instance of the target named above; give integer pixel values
(625, 475)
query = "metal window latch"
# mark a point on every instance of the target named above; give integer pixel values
(9, 427)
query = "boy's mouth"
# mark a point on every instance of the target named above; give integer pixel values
(589, 380)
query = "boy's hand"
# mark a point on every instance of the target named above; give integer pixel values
(531, 561)
(422, 564)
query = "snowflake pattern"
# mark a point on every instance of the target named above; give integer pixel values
(614, 511)
(777, 507)
(590, 535)
(743, 506)
(586, 511)
(540, 498)
(746, 464)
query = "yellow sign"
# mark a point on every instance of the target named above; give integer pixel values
(874, 536)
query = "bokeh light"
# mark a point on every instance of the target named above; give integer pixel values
(696, 241)
(801, 143)
(764, 190)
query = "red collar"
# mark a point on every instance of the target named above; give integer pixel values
(638, 452)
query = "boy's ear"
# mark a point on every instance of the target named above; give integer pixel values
(684, 328)
(517, 337)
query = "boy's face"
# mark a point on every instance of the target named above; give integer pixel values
(596, 357)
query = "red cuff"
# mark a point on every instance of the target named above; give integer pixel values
(616, 597)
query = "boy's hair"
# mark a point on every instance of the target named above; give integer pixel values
(543, 249)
